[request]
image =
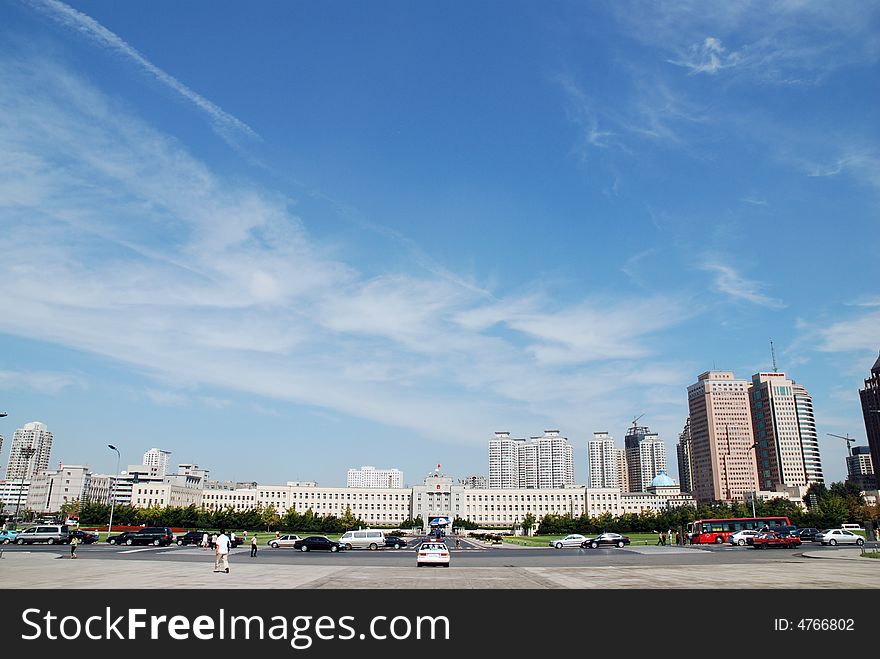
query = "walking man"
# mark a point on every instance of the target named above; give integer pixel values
(205, 540)
(221, 552)
(254, 545)
(74, 541)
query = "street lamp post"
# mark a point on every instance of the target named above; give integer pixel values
(754, 494)
(113, 488)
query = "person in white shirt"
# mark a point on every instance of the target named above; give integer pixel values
(221, 552)
(254, 545)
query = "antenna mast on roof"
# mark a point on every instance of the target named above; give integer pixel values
(773, 355)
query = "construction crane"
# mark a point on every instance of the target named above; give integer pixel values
(635, 421)
(849, 441)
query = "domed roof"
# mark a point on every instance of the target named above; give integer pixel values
(662, 480)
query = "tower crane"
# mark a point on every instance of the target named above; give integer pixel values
(849, 440)
(635, 421)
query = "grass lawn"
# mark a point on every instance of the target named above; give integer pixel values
(872, 554)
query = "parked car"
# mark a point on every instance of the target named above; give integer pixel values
(395, 541)
(839, 537)
(808, 534)
(742, 538)
(367, 539)
(85, 537)
(50, 534)
(769, 539)
(154, 535)
(317, 542)
(283, 541)
(124, 538)
(7, 536)
(573, 540)
(191, 538)
(610, 539)
(432, 553)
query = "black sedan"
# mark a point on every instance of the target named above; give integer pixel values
(126, 538)
(610, 539)
(395, 541)
(317, 543)
(85, 537)
(808, 534)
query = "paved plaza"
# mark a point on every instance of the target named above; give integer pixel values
(841, 570)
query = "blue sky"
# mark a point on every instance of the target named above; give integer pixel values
(286, 239)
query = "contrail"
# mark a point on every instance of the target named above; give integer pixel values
(89, 27)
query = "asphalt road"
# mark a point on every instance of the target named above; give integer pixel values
(471, 554)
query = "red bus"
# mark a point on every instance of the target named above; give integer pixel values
(709, 531)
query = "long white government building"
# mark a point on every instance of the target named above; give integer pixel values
(438, 501)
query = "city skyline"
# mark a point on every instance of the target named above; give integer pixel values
(306, 238)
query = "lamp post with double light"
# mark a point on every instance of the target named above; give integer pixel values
(113, 488)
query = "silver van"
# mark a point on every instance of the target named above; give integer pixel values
(362, 539)
(49, 533)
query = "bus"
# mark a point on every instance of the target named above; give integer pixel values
(709, 531)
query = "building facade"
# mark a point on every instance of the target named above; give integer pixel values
(870, 398)
(368, 476)
(723, 459)
(29, 451)
(860, 468)
(51, 489)
(546, 461)
(603, 461)
(780, 455)
(803, 405)
(685, 458)
(157, 457)
(645, 457)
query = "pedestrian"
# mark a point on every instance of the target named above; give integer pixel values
(232, 538)
(254, 546)
(277, 535)
(221, 552)
(204, 540)
(659, 537)
(245, 536)
(74, 541)
(877, 533)
(678, 537)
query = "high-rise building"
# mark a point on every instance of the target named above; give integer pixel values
(780, 453)
(546, 461)
(622, 470)
(157, 457)
(603, 459)
(504, 461)
(30, 451)
(685, 458)
(870, 397)
(803, 405)
(723, 459)
(645, 457)
(368, 476)
(860, 468)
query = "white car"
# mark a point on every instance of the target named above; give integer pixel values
(283, 541)
(432, 553)
(573, 540)
(741, 538)
(839, 537)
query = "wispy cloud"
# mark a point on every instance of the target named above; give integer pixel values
(728, 281)
(859, 333)
(225, 124)
(710, 57)
(40, 381)
(119, 243)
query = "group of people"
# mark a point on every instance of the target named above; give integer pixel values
(222, 544)
(665, 538)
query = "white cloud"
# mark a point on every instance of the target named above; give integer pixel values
(730, 282)
(40, 381)
(710, 56)
(119, 243)
(224, 123)
(861, 333)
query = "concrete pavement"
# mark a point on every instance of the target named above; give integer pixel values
(844, 570)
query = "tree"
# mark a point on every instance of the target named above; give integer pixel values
(528, 522)
(270, 517)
